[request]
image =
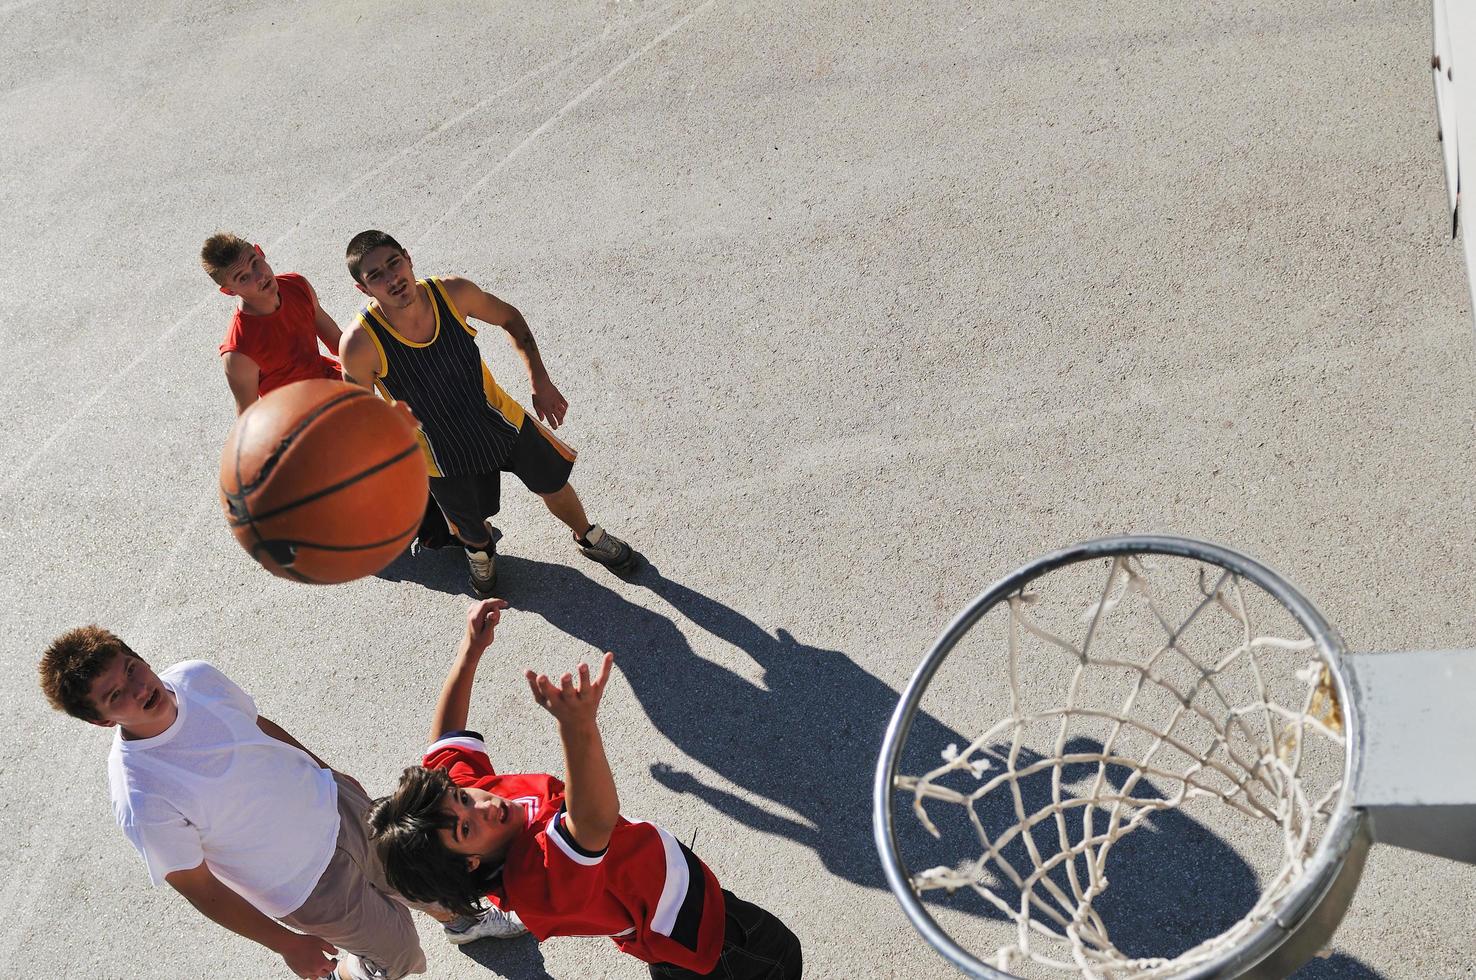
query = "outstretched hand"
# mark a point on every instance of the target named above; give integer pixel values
(481, 623)
(569, 700)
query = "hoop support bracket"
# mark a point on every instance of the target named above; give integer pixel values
(1415, 780)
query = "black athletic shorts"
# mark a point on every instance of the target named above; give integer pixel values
(756, 946)
(539, 458)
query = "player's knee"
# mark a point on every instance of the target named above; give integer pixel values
(407, 959)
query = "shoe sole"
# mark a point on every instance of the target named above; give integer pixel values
(459, 941)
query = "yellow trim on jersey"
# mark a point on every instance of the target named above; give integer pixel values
(384, 320)
(431, 469)
(502, 403)
(383, 358)
(450, 305)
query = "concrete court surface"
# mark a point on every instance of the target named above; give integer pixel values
(857, 306)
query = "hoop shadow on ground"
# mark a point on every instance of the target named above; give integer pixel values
(819, 714)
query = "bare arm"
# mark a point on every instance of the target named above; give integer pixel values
(281, 734)
(273, 730)
(360, 360)
(476, 302)
(305, 955)
(326, 327)
(359, 357)
(455, 700)
(243, 376)
(589, 786)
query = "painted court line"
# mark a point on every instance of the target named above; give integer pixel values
(554, 120)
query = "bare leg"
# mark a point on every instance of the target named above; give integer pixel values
(564, 504)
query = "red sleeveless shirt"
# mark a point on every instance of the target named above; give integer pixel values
(283, 344)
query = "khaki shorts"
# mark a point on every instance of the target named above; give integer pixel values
(353, 907)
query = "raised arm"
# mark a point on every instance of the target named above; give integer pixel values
(325, 325)
(306, 956)
(589, 786)
(243, 375)
(451, 708)
(474, 301)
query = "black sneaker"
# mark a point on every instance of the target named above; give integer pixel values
(602, 546)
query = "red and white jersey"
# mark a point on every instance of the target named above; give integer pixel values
(645, 890)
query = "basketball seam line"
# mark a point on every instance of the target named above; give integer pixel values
(326, 491)
(337, 547)
(275, 457)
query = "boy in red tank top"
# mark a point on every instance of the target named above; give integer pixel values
(273, 337)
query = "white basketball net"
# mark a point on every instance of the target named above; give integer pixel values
(1234, 742)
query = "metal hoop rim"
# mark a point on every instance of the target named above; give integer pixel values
(1343, 827)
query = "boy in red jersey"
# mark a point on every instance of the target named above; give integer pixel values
(560, 854)
(273, 338)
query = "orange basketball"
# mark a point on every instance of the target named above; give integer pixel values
(321, 481)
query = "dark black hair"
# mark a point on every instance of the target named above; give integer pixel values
(404, 827)
(362, 244)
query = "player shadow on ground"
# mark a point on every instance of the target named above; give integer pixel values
(443, 570)
(806, 740)
(511, 959)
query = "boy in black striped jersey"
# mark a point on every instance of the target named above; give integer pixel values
(413, 342)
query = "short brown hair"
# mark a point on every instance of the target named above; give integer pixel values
(362, 244)
(72, 663)
(221, 251)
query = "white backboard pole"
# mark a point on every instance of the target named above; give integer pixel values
(1453, 64)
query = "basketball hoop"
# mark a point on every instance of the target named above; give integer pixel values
(1146, 675)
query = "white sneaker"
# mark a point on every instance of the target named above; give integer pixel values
(491, 924)
(483, 568)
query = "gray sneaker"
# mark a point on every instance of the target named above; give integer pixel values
(602, 546)
(483, 565)
(491, 924)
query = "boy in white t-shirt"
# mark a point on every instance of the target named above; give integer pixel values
(237, 816)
